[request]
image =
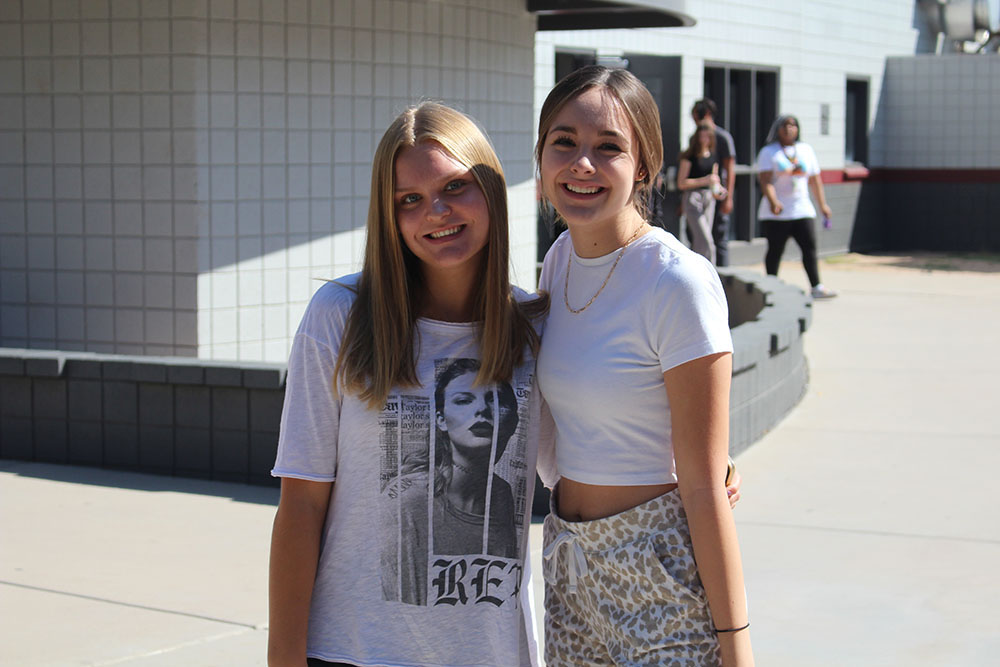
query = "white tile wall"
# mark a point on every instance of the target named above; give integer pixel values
(175, 175)
(940, 111)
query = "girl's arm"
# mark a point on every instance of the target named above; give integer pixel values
(295, 540)
(816, 185)
(768, 189)
(698, 392)
(685, 183)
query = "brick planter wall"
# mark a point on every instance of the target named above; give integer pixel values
(770, 372)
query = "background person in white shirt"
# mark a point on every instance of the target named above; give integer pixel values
(788, 171)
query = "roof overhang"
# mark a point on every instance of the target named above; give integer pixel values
(601, 15)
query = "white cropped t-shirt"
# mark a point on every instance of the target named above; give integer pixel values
(601, 370)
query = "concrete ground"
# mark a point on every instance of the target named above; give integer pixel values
(866, 528)
(864, 523)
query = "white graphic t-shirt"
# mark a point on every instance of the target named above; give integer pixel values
(424, 544)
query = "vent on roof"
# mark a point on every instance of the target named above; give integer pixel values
(960, 26)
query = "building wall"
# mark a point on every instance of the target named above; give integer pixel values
(937, 137)
(815, 45)
(934, 121)
(175, 176)
(939, 112)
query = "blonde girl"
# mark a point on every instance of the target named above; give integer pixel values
(356, 576)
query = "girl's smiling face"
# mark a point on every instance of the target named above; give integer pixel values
(440, 209)
(590, 160)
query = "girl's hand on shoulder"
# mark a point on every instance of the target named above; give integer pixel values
(733, 489)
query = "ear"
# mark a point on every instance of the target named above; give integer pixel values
(441, 423)
(641, 174)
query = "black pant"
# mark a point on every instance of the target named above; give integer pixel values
(777, 233)
(316, 662)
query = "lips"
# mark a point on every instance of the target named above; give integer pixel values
(482, 430)
(444, 233)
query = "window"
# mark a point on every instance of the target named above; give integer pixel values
(856, 121)
(747, 98)
(568, 62)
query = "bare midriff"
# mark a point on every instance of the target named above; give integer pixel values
(577, 501)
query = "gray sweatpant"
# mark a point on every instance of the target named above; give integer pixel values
(699, 212)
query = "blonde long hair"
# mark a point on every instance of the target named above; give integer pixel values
(377, 351)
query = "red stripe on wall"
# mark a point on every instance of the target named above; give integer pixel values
(891, 175)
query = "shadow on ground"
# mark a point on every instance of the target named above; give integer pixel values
(922, 261)
(120, 479)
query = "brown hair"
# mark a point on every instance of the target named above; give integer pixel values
(635, 101)
(377, 351)
(704, 107)
(694, 147)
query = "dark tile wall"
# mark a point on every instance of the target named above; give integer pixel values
(952, 217)
(879, 215)
(770, 372)
(159, 415)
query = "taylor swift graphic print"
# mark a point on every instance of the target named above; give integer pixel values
(454, 486)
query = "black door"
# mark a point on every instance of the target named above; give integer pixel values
(662, 76)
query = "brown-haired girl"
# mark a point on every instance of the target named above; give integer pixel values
(698, 178)
(642, 564)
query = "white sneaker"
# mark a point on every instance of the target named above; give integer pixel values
(821, 292)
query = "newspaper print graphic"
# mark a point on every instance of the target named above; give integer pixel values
(454, 488)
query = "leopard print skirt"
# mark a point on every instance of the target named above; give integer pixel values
(625, 590)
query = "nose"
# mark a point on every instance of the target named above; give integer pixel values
(438, 208)
(485, 407)
(582, 164)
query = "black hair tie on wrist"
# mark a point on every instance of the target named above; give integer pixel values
(744, 627)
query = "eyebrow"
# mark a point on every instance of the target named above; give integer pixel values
(572, 130)
(458, 175)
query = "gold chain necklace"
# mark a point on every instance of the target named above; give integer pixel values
(600, 289)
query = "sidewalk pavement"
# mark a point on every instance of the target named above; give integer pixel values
(866, 530)
(864, 522)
